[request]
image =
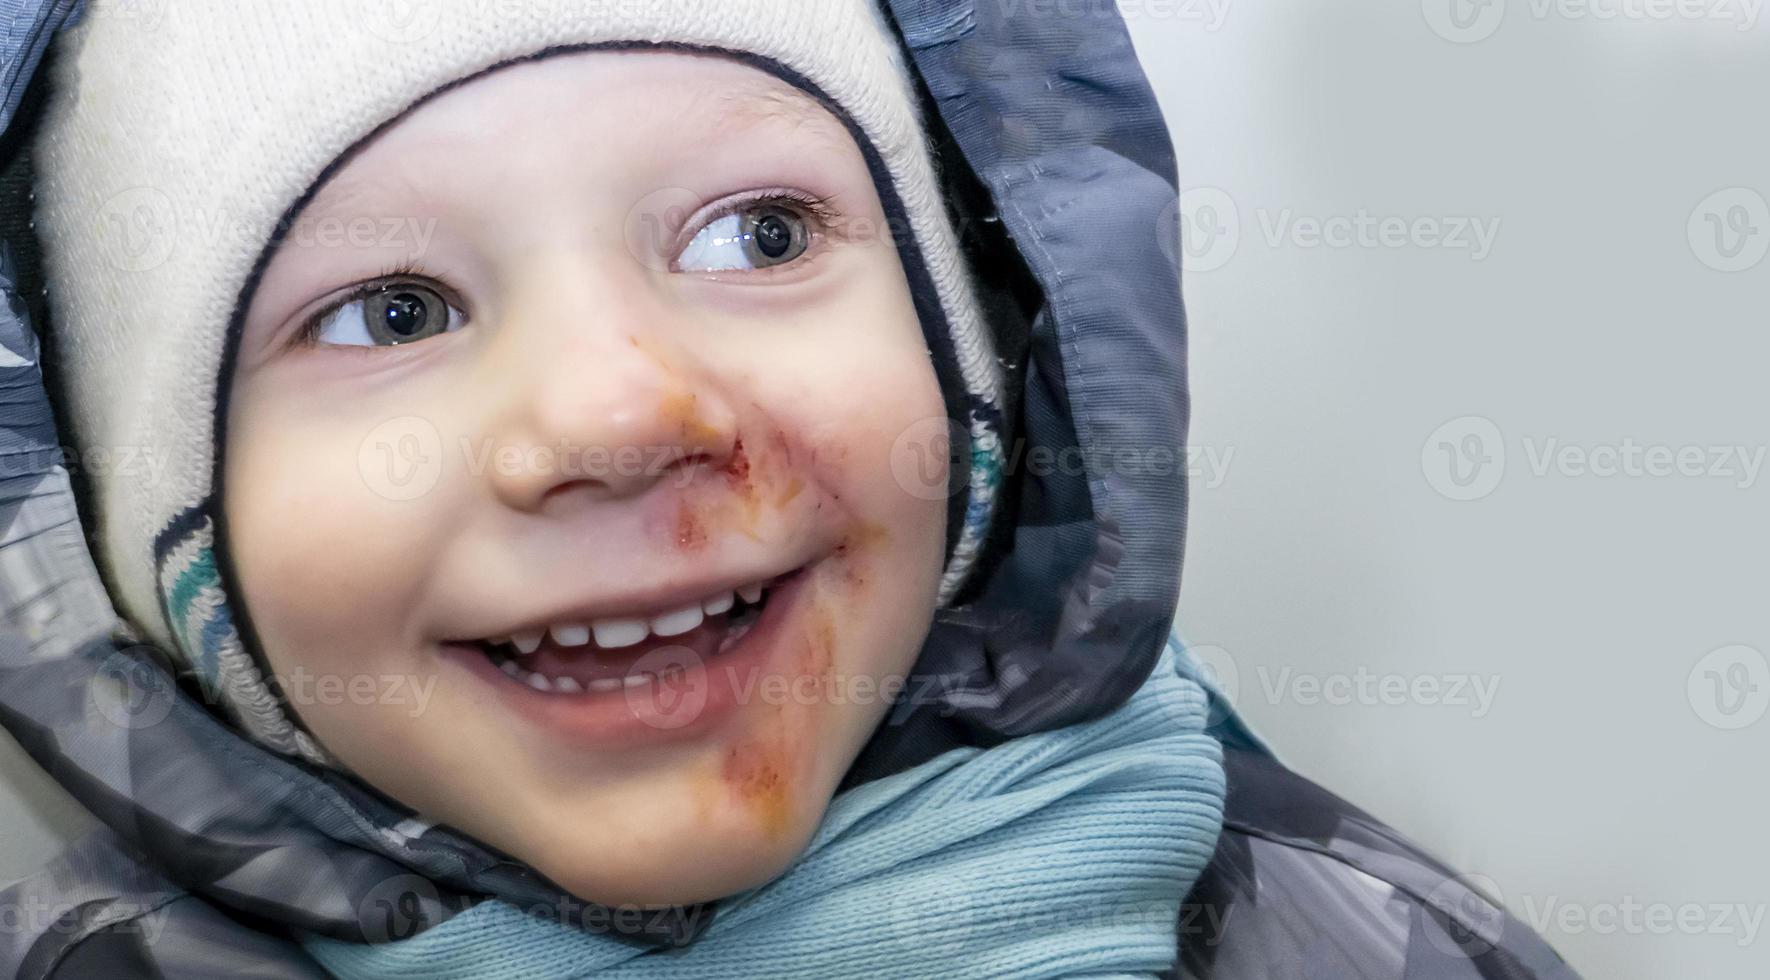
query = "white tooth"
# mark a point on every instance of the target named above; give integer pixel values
(510, 667)
(677, 621)
(570, 634)
(713, 605)
(540, 683)
(634, 680)
(527, 642)
(751, 592)
(566, 685)
(613, 633)
(606, 684)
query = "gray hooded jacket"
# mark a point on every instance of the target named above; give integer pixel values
(1060, 171)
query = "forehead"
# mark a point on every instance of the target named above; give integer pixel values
(651, 104)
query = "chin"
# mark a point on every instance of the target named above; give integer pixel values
(710, 869)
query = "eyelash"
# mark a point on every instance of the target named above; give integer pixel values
(309, 333)
(816, 209)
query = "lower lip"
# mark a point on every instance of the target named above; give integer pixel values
(686, 706)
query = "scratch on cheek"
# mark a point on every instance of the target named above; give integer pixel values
(739, 477)
(737, 468)
(865, 538)
(737, 471)
(646, 349)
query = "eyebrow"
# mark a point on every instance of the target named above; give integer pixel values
(749, 107)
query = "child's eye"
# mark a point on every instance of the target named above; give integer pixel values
(754, 237)
(385, 314)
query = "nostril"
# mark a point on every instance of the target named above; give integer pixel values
(672, 462)
(621, 473)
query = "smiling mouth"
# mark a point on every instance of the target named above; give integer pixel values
(609, 654)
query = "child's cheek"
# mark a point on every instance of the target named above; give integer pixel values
(311, 535)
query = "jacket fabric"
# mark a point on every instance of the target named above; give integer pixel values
(211, 852)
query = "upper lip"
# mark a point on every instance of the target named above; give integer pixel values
(640, 603)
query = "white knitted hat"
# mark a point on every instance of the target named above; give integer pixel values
(179, 138)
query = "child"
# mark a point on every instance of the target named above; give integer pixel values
(636, 495)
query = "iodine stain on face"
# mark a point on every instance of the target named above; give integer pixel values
(761, 772)
(679, 408)
(759, 477)
(756, 773)
(817, 652)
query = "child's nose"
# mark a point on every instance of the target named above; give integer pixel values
(597, 413)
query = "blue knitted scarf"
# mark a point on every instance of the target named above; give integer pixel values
(1059, 853)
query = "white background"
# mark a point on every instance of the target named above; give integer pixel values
(1597, 789)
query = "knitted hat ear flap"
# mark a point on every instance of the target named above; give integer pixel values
(194, 600)
(151, 341)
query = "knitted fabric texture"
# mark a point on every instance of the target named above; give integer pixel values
(1063, 853)
(172, 150)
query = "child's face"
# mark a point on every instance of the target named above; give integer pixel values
(581, 423)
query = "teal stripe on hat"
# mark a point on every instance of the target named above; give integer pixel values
(196, 578)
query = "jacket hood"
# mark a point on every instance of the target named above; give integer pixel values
(1059, 171)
